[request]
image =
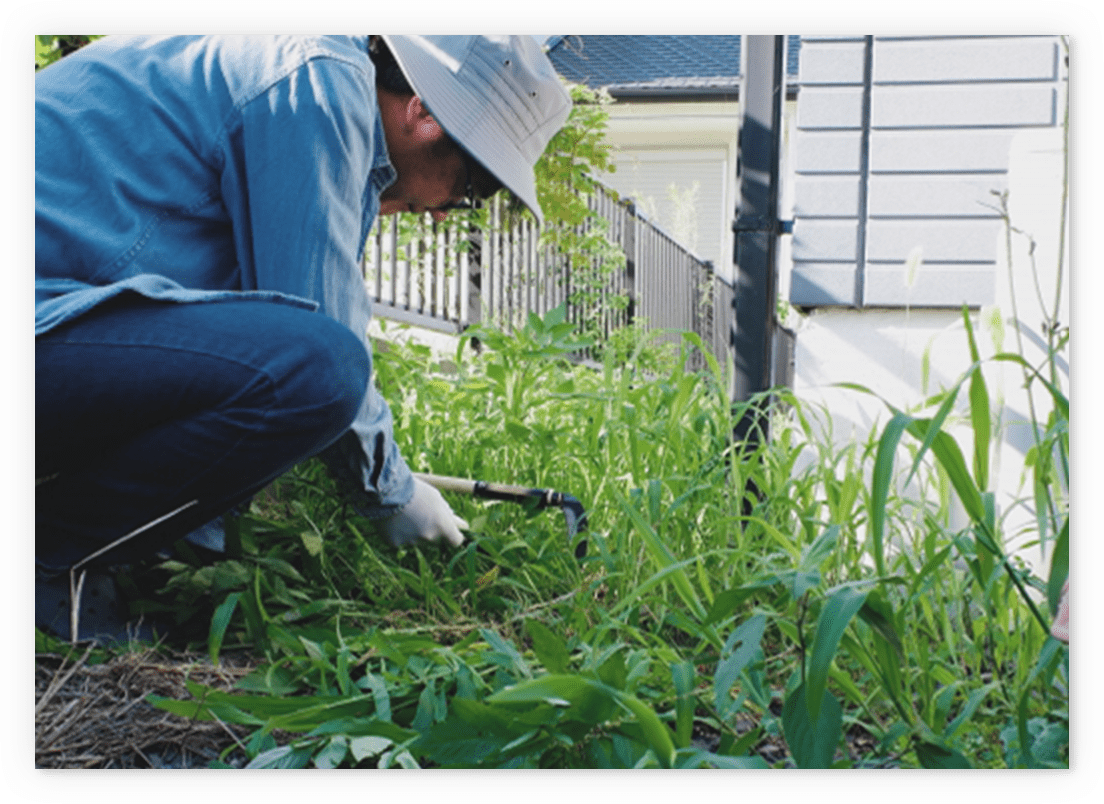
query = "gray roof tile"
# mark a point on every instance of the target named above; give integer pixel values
(655, 64)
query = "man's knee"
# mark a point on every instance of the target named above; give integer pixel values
(329, 371)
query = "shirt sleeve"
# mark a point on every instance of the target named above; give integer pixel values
(306, 149)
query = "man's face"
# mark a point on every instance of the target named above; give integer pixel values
(431, 182)
(432, 172)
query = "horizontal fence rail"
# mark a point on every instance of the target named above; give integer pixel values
(448, 276)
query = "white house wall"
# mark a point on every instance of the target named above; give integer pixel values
(658, 145)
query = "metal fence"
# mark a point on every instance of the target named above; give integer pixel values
(447, 277)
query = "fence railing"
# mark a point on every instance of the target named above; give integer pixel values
(447, 277)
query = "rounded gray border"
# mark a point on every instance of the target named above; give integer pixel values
(17, 87)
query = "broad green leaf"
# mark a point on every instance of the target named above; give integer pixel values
(699, 758)
(878, 614)
(555, 316)
(368, 746)
(363, 727)
(798, 582)
(285, 756)
(310, 717)
(427, 711)
(505, 652)
(741, 647)
(561, 690)
(1048, 745)
(376, 686)
(613, 670)
(821, 549)
(220, 621)
(812, 741)
(312, 541)
(518, 431)
(549, 648)
(481, 716)
(200, 710)
(683, 680)
(938, 757)
(935, 426)
(834, 618)
(727, 601)
(1045, 666)
(333, 754)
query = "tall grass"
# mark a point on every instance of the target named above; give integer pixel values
(733, 597)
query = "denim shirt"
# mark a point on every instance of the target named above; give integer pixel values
(200, 169)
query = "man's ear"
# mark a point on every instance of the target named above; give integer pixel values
(420, 123)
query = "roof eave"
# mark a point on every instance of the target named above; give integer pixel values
(731, 93)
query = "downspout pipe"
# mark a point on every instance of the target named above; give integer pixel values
(757, 227)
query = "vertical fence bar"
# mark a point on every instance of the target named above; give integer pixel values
(463, 279)
(490, 268)
(441, 309)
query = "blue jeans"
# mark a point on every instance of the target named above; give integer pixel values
(142, 407)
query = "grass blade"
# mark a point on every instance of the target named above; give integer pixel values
(219, 623)
(834, 619)
(881, 483)
(682, 678)
(1059, 568)
(663, 556)
(979, 408)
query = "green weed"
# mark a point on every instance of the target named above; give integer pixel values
(731, 595)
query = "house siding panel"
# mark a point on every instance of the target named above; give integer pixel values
(832, 63)
(955, 106)
(938, 195)
(940, 240)
(828, 196)
(943, 112)
(824, 284)
(973, 151)
(830, 108)
(997, 59)
(818, 152)
(818, 240)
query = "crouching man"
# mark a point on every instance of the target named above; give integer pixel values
(201, 206)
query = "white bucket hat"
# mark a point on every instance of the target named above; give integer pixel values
(497, 96)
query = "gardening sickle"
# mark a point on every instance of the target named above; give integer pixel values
(573, 509)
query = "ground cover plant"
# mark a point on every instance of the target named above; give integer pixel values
(820, 619)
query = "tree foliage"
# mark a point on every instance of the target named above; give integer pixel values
(51, 47)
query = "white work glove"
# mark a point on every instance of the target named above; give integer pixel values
(427, 516)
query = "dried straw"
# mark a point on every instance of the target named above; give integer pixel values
(96, 716)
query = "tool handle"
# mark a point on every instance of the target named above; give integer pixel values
(477, 488)
(442, 483)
